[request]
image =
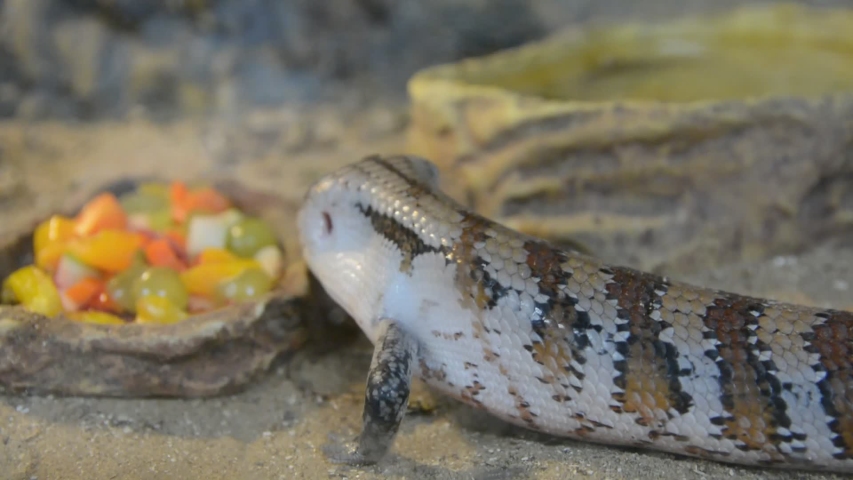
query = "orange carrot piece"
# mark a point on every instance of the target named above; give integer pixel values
(178, 195)
(178, 192)
(159, 253)
(148, 236)
(185, 201)
(82, 292)
(101, 213)
(178, 239)
(102, 302)
(207, 200)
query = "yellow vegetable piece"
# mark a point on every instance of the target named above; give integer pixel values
(155, 309)
(204, 279)
(216, 255)
(34, 289)
(110, 250)
(56, 229)
(50, 239)
(94, 316)
(48, 257)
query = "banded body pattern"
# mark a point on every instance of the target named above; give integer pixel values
(562, 343)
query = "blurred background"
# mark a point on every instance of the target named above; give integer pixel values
(98, 59)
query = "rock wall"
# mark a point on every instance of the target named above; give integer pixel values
(91, 59)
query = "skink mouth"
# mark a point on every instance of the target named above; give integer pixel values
(303, 227)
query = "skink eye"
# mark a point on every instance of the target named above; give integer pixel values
(327, 222)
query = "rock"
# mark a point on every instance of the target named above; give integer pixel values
(104, 57)
(382, 121)
(11, 179)
(33, 106)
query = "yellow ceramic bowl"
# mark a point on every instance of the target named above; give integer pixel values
(710, 137)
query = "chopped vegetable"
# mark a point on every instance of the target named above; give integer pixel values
(160, 253)
(101, 213)
(249, 284)
(56, 229)
(210, 231)
(207, 200)
(93, 316)
(271, 260)
(178, 193)
(204, 279)
(248, 236)
(82, 293)
(154, 189)
(48, 257)
(103, 302)
(120, 287)
(109, 250)
(160, 221)
(49, 240)
(71, 270)
(216, 255)
(161, 282)
(202, 200)
(178, 238)
(156, 309)
(142, 202)
(34, 289)
(138, 221)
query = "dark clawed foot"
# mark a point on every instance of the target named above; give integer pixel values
(385, 399)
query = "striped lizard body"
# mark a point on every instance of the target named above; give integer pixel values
(562, 343)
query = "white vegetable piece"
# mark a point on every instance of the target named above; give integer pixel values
(210, 231)
(271, 260)
(71, 270)
(138, 221)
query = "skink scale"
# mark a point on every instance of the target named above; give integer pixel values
(562, 343)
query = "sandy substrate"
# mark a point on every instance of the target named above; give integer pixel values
(275, 429)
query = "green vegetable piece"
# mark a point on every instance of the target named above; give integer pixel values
(251, 284)
(160, 220)
(138, 202)
(162, 282)
(120, 287)
(248, 236)
(153, 189)
(154, 309)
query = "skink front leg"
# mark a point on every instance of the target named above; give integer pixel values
(386, 398)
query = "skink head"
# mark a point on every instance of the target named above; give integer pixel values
(335, 237)
(340, 241)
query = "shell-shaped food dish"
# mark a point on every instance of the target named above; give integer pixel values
(677, 144)
(207, 354)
